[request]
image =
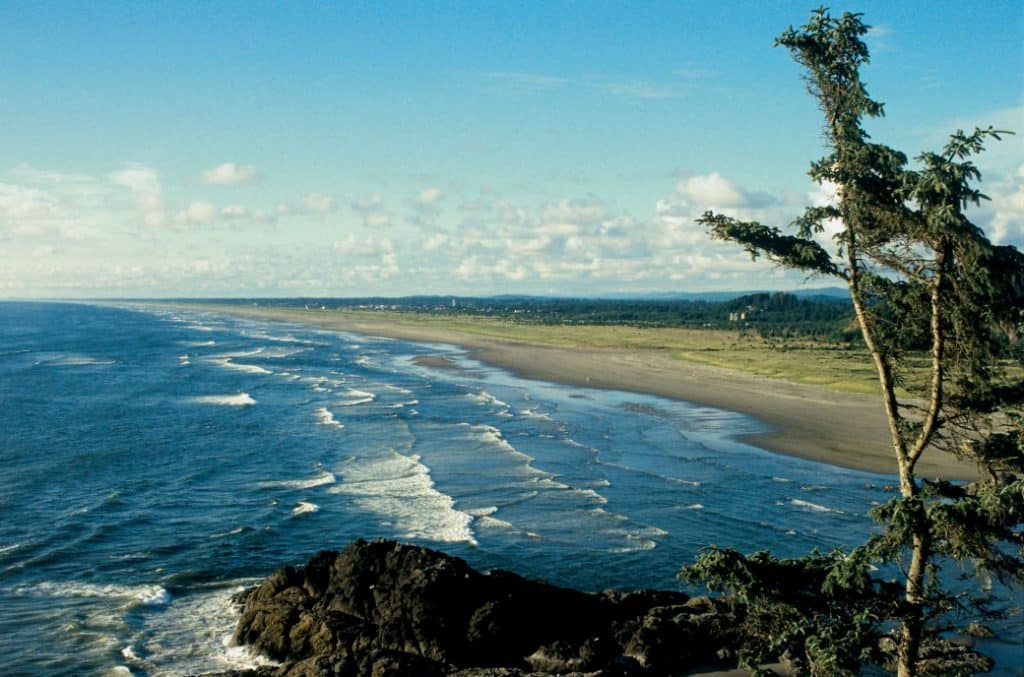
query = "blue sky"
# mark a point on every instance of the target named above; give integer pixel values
(222, 149)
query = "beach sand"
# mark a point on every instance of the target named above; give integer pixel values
(806, 421)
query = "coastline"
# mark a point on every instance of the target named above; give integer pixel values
(805, 421)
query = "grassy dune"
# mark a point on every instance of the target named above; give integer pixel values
(832, 366)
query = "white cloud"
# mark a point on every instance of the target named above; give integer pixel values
(1002, 215)
(428, 197)
(436, 242)
(235, 212)
(318, 203)
(196, 214)
(371, 210)
(368, 246)
(712, 190)
(230, 173)
(376, 219)
(144, 183)
(21, 206)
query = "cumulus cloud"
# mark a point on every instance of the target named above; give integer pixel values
(368, 246)
(372, 212)
(428, 197)
(196, 214)
(1002, 215)
(318, 203)
(25, 210)
(144, 183)
(426, 208)
(230, 173)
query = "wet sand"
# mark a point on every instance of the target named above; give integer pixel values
(806, 421)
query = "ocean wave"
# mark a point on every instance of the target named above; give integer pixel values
(325, 417)
(281, 338)
(237, 400)
(400, 489)
(233, 532)
(9, 548)
(193, 635)
(75, 361)
(355, 397)
(813, 507)
(536, 415)
(484, 397)
(302, 507)
(320, 480)
(237, 366)
(147, 595)
(199, 344)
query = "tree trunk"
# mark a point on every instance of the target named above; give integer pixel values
(912, 625)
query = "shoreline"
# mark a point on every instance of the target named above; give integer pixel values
(805, 421)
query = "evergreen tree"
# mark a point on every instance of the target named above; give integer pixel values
(924, 281)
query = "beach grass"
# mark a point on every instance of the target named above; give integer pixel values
(834, 366)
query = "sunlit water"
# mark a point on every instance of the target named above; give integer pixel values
(157, 461)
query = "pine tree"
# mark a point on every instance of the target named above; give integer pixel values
(925, 282)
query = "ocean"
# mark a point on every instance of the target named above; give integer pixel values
(158, 460)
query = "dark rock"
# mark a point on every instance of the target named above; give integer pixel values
(380, 608)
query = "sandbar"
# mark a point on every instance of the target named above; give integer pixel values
(806, 421)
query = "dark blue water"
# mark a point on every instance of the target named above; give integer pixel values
(155, 461)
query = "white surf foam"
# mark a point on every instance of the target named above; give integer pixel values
(484, 397)
(193, 635)
(237, 400)
(695, 506)
(813, 507)
(325, 417)
(279, 352)
(147, 595)
(302, 507)
(9, 548)
(320, 480)
(400, 489)
(354, 397)
(233, 532)
(199, 344)
(238, 366)
(76, 361)
(536, 415)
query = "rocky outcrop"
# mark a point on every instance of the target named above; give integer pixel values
(382, 608)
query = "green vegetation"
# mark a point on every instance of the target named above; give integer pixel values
(772, 315)
(838, 366)
(920, 276)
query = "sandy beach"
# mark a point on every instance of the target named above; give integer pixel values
(806, 421)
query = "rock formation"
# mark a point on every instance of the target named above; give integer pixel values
(381, 608)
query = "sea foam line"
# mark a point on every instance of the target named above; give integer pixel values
(302, 507)
(320, 480)
(237, 400)
(400, 489)
(148, 595)
(325, 417)
(813, 507)
(355, 397)
(247, 368)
